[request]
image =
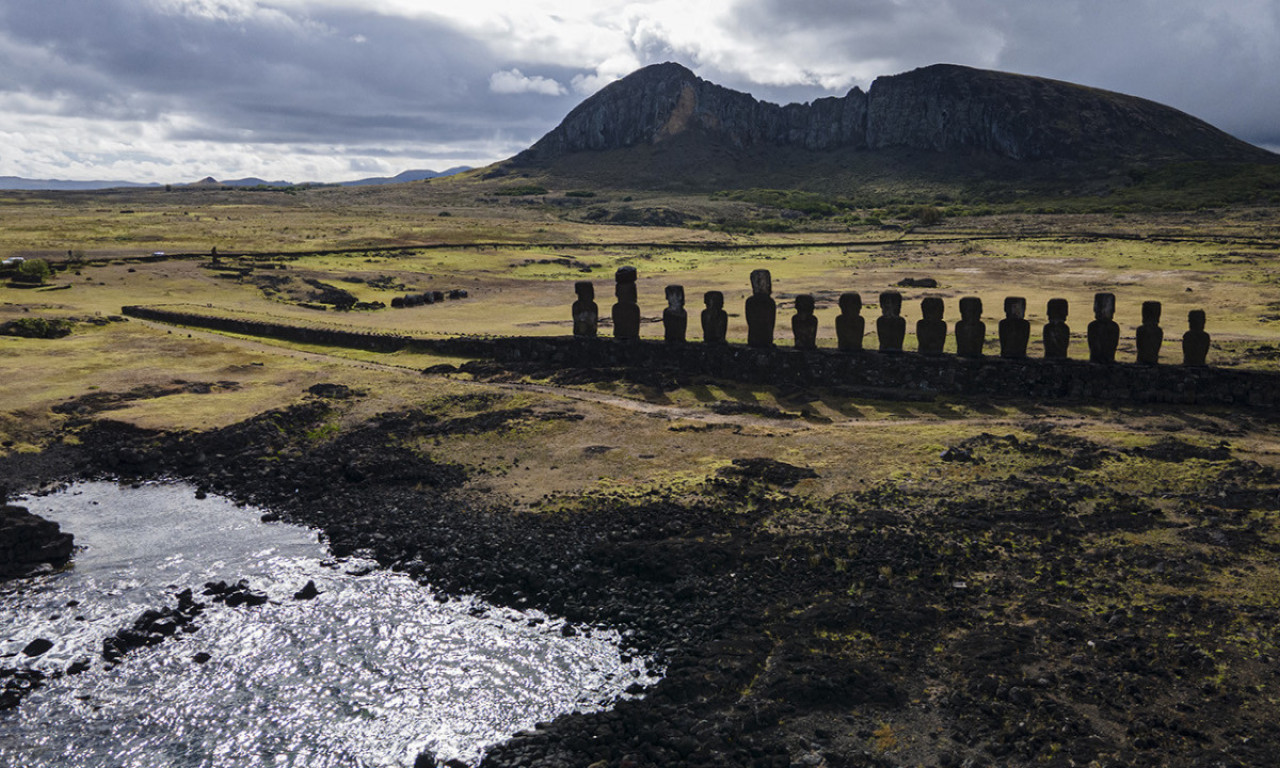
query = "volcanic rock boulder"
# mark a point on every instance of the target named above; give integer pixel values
(28, 541)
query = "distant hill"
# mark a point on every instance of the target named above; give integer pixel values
(209, 181)
(696, 133)
(19, 183)
(15, 182)
(400, 178)
(406, 176)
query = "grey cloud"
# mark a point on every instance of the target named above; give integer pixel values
(902, 33)
(300, 79)
(1214, 60)
(271, 78)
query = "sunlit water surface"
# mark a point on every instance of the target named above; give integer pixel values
(370, 673)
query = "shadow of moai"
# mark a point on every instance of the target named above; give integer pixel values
(850, 325)
(804, 325)
(931, 329)
(1103, 333)
(586, 315)
(1014, 330)
(761, 310)
(626, 312)
(1150, 335)
(1195, 342)
(890, 326)
(971, 332)
(715, 321)
(1057, 334)
(675, 320)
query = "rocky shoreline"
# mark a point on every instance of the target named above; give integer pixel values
(896, 626)
(29, 543)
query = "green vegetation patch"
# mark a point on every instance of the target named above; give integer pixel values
(37, 328)
(808, 203)
(521, 190)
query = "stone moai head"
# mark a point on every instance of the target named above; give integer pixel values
(891, 304)
(804, 304)
(761, 282)
(1015, 307)
(1151, 313)
(851, 303)
(932, 308)
(713, 299)
(1104, 305)
(625, 287)
(1058, 310)
(585, 289)
(1195, 319)
(675, 296)
(971, 308)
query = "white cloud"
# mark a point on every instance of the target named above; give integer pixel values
(515, 81)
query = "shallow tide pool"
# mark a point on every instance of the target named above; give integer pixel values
(370, 673)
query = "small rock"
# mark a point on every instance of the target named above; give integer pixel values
(37, 647)
(308, 592)
(78, 666)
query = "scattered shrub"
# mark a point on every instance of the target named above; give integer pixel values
(521, 190)
(36, 328)
(926, 215)
(33, 272)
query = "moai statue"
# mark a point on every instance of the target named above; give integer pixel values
(1057, 334)
(1150, 335)
(675, 320)
(971, 332)
(931, 330)
(850, 325)
(586, 315)
(890, 326)
(1104, 334)
(1195, 342)
(1014, 329)
(715, 321)
(804, 326)
(626, 313)
(761, 310)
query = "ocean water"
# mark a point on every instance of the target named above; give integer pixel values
(370, 673)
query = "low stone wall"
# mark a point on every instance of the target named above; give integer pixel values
(904, 372)
(332, 337)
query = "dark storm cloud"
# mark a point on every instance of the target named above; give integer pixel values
(335, 76)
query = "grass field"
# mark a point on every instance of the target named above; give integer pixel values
(1066, 509)
(517, 257)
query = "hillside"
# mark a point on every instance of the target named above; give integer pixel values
(942, 121)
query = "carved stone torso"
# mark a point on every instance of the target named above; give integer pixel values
(1015, 334)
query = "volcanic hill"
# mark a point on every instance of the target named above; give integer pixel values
(664, 125)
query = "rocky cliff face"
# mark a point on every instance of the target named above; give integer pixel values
(943, 108)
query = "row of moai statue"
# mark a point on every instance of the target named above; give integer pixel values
(1013, 332)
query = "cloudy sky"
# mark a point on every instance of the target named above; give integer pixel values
(325, 90)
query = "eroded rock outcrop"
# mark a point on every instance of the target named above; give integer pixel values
(28, 541)
(944, 107)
